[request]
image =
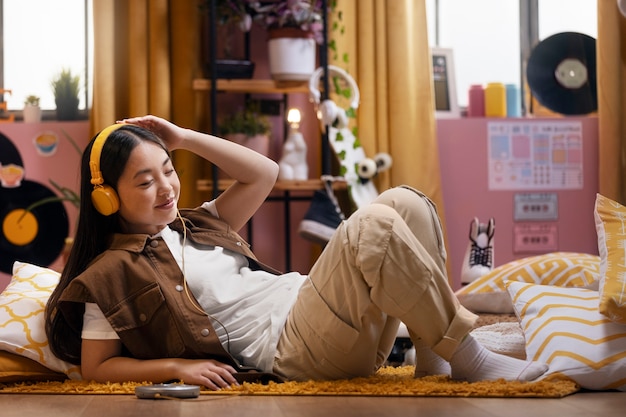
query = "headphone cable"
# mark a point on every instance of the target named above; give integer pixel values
(191, 299)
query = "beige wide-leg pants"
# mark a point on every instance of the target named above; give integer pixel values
(383, 265)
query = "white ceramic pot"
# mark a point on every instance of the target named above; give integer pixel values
(32, 114)
(291, 58)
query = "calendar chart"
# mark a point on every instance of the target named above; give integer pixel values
(533, 155)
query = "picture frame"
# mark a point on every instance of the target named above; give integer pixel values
(444, 80)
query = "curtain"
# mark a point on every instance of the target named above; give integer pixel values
(146, 55)
(611, 78)
(384, 46)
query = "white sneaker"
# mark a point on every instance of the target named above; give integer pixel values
(479, 255)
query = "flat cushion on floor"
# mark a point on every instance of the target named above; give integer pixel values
(488, 294)
(16, 368)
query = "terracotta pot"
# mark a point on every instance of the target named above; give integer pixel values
(259, 143)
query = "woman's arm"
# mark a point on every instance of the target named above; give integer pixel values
(101, 362)
(254, 174)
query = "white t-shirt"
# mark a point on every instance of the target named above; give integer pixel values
(252, 306)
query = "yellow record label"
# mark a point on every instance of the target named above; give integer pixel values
(20, 227)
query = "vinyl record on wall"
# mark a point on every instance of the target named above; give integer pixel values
(37, 236)
(9, 153)
(561, 73)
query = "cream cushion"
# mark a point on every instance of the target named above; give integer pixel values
(488, 294)
(610, 220)
(22, 306)
(563, 328)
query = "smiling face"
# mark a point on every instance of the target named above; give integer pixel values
(148, 189)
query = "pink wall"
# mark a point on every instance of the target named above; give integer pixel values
(62, 166)
(464, 161)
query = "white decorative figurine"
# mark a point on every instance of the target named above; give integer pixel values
(293, 165)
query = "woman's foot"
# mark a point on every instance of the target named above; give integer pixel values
(428, 362)
(473, 362)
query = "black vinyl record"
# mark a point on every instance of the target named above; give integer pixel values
(47, 242)
(561, 73)
(9, 153)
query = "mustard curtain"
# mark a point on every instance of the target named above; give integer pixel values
(611, 78)
(384, 46)
(146, 55)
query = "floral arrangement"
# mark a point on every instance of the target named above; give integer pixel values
(302, 14)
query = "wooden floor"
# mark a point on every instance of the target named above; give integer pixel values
(582, 404)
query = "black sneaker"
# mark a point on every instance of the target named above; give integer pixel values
(321, 219)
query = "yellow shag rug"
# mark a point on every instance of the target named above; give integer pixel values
(388, 381)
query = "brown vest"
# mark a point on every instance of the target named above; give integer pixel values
(139, 287)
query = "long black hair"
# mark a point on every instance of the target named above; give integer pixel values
(92, 233)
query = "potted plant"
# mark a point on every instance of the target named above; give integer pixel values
(294, 28)
(301, 15)
(32, 111)
(231, 16)
(66, 87)
(247, 127)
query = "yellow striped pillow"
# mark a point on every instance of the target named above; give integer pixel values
(22, 305)
(564, 269)
(610, 219)
(563, 328)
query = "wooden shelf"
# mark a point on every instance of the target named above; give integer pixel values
(252, 86)
(296, 185)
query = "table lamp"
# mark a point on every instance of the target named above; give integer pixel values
(293, 165)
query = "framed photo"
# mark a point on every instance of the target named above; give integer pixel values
(444, 79)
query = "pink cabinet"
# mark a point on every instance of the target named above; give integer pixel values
(486, 174)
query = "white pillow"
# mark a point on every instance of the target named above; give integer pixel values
(22, 304)
(563, 328)
(487, 294)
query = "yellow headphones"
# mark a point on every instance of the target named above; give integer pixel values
(103, 196)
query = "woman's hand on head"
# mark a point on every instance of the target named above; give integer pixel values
(170, 133)
(209, 373)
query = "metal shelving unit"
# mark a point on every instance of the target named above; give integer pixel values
(283, 189)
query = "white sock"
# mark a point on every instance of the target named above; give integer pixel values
(473, 362)
(428, 362)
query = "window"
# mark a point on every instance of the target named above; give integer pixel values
(485, 35)
(556, 16)
(41, 38)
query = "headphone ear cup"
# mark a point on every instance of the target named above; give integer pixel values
(341, 119)
(327, 112)
(105, 200)
(332, 115)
